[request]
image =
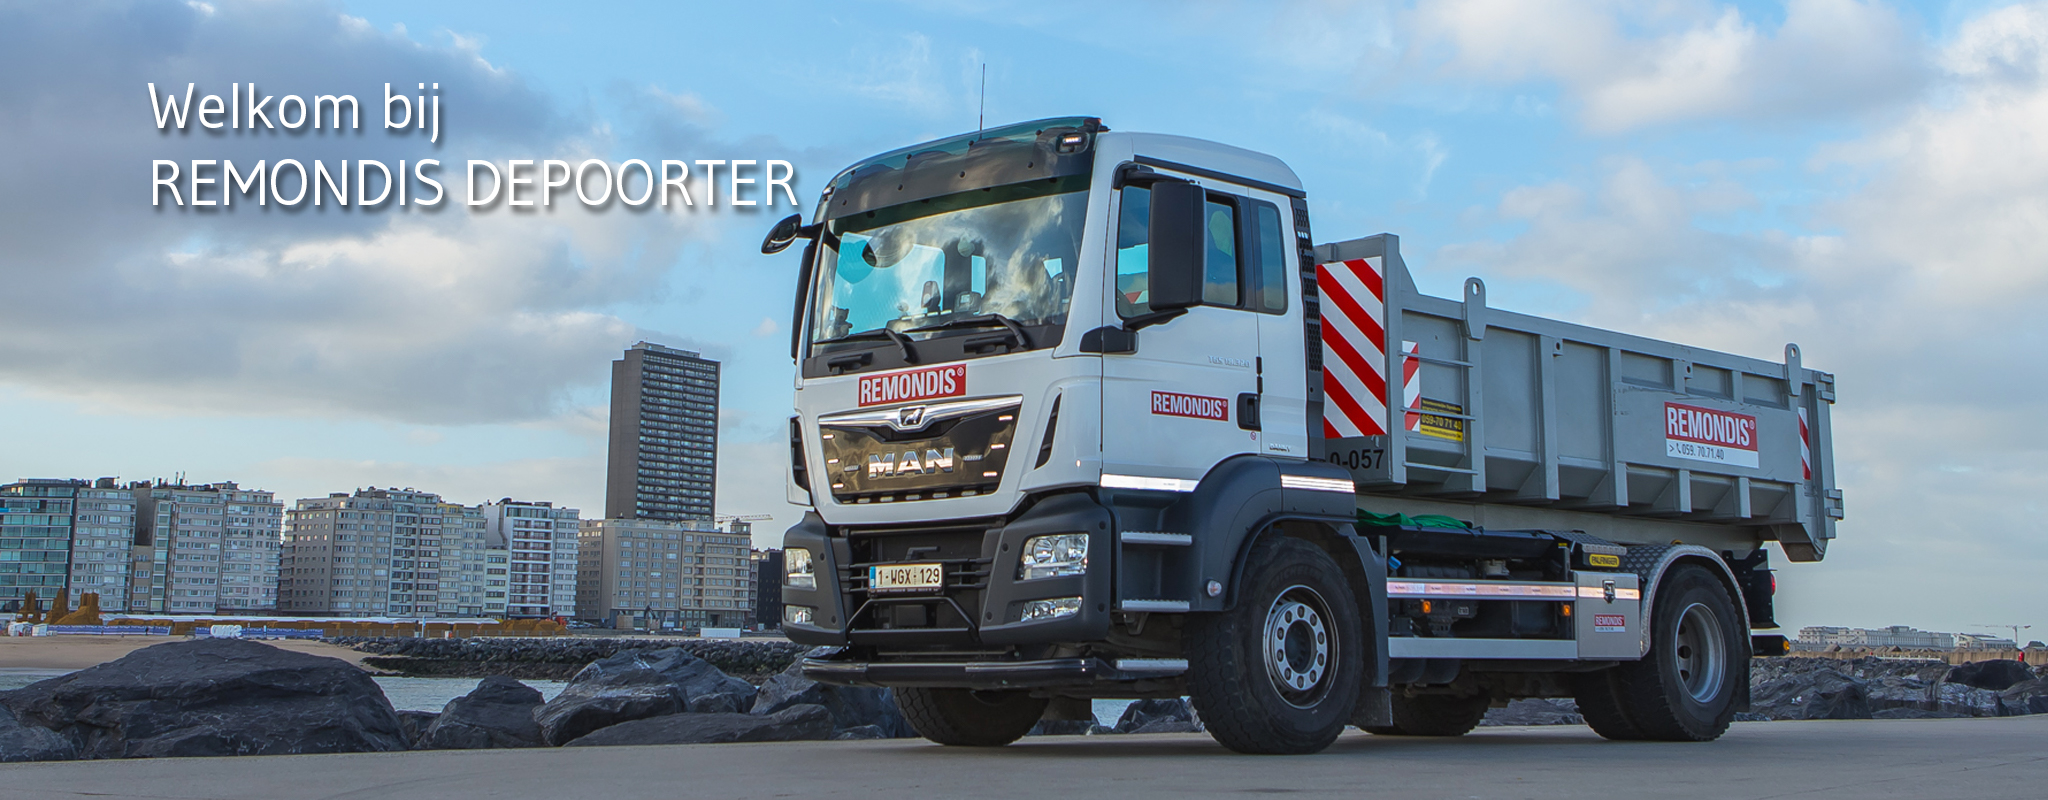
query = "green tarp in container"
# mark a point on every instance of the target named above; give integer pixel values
(1369, 519)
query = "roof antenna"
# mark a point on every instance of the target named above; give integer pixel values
(981, 114)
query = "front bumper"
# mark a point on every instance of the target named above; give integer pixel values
(989, 675)
(982, 602)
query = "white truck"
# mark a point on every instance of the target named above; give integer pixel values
(1083, 414)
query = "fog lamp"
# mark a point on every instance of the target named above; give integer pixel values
(1055, 608)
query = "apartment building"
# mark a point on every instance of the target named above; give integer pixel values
(143, 547)
(660, 574)
(1815, 637)
(202, 549)
(663, 457)
(389, 552)
(540, 547)
(35, 537)
(104, 522)
(768, 569)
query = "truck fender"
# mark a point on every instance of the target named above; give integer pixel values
(1243, 496)
(1652, 562)
(1248, 496)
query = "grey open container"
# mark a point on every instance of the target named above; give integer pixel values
(1564, 427)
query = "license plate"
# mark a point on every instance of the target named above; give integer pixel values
(906, 578)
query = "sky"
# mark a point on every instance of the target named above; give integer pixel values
(1865, 179)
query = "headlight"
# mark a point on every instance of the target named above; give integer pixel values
(1053, 556)
(796, 615)
(1042, 610)
(796, 570)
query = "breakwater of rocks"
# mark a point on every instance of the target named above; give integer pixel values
(559, 659)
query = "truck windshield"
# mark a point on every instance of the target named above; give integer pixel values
(1010, 251)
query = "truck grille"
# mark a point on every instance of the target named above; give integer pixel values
(919, 452)
(951, 609)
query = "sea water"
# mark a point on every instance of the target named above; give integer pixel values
(431, 694)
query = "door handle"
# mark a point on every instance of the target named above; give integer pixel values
(1248, 411)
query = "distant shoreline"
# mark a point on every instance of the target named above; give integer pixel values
(79, 652)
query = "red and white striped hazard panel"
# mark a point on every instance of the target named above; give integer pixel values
(1354, 311)
(1355, 390)
(1805, 451)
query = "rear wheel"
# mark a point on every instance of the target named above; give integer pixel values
(969, 718)
(1434, 715)
(1600, 702)
(1686, 687)
(1279, 673)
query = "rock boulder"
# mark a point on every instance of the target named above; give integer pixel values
(1966, 700)
(1066, 727)
(1161, 715)
(20, 742)
(498, 713)
(1996, 675)
(788, 725)
(213, 697)
(1535, 711)
(861, 732)
(851, 706)
(2026, 697)
(1817, 694)
(636, 685)
(413, 726)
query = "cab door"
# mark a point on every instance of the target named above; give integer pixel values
(1274, 283)
(1187, 397)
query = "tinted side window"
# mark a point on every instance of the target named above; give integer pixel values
(1272, 264)
(1220, 265)
(1133, 232)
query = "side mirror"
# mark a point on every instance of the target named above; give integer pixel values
(783, 234)
(1173, 268)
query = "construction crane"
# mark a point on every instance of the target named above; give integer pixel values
(2016, 643)
(727, 522)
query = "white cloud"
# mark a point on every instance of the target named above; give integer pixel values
(1631, 244)
(446, 315)
(1923, 298)
(1425, 150)
(1628, 66)
(903, 74)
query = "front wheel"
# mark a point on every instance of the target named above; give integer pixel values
(968, 718)
(1279, 673)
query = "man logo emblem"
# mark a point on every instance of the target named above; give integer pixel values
(910, 418)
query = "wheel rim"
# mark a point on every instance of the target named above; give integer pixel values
(1698, 651)
(1298, 644)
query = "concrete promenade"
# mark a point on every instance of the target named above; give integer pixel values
(1961, 758)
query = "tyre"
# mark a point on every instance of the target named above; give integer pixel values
(964, 717)
(1434, 715)
(1600, 702)
(1685, 689)
(1278, 674)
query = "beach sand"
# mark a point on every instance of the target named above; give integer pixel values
(79, 652)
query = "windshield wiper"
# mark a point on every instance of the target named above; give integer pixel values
(902, 342)
(983, 321)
